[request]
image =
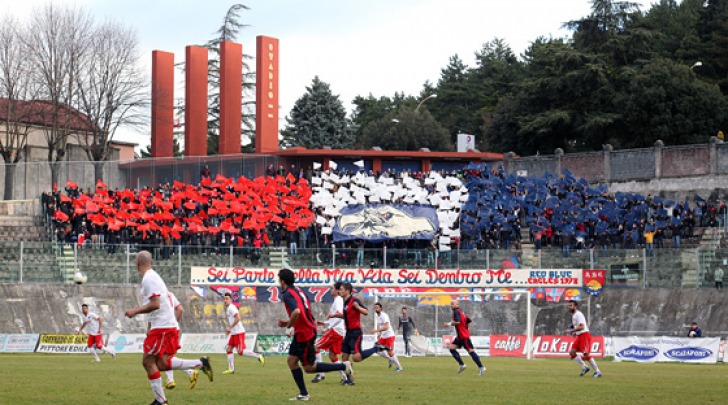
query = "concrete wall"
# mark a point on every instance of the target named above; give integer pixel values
(673, 172)
(53, 308)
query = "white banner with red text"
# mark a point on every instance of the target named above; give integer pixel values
(666, 348)
(461, 278)
(544, 346)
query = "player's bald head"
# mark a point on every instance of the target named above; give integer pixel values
(455, 303)
(144, 259)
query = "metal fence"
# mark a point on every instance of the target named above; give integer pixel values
(114, 264)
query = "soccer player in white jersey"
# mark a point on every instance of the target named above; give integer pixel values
(237, 336)
(333, 333)
(582, 344)
(95, 338)
(162, 341)
(178, 312)
(386, 337)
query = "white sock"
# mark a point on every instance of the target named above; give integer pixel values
(343, 373)
(250, 353)
(594, 365)
(181, 364)
(319, 358)
(396, 361)
(231, 361)
(170, 375)
(189, 372)
(383, 354)
(108, 350)
(93, 351)
(579, 361)
(157, 389)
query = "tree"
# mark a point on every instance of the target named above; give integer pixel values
(371, 109)
(455, 105)
(228, 31)
(58, 39)
(712, 28)
(318, 119)
(111, 89)
(407, 130)
(176, 150)
(16, 86)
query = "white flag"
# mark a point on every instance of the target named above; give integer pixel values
(316, 166)
(333, 165)
(359, 163)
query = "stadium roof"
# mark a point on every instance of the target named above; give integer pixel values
(40, 113)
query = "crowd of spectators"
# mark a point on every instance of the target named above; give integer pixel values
(278, 210)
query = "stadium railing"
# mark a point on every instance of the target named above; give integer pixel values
(637, 268)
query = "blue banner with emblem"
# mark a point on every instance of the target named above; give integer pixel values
(380, 222)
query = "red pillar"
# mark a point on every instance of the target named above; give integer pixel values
(426, 164)
(377, 164)
(231, 97)
(196, 101)
(162, 104)
(266, 95)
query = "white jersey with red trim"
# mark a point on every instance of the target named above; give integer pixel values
(231, 311)
(174, 302)
(92, 323)
(578, 319)
(153, 286)
(383, 318)
(337, 324)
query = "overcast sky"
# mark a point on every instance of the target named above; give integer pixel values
(358, 47)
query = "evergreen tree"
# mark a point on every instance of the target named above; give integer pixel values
(318, 119)
(455, 105)
(176, 150)
(228, 31)
(407, 130)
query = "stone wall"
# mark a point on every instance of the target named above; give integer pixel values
(53, 308)
(590, 166)
(682, 161)
(632, 164)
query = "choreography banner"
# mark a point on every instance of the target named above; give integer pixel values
(666, 348)
(502, 278)
(379, 222)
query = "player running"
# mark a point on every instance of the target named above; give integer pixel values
(95, 338)
(460, 321)
(351, 348)
(302, 347)
(582, 343)
(192, 374)
(237, 336)
(386, 337)
(161, 343)
(333, 334)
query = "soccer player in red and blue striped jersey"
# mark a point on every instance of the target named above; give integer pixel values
(460, 321)
(302, 348)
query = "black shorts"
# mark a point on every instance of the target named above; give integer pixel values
(352, 342)
(466, 344)
(305, 351)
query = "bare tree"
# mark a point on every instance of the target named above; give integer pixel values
(111, 89)
(15, 87)
(58, 39)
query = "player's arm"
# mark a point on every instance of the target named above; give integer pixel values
(575, 328)
(361, 308)
(232, 325)
(101, 324)
(83, 325)
(179, 311)
(455, 320)
(153, 305)
(294, 317)
(384, 326)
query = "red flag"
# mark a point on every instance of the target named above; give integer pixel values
(178, 184)
(290, 178)
(70, 184)
(100, 184)
(265, 239)
(60, 216)
(206, 181)
(55, 186)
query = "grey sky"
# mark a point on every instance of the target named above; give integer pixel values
(358, 47)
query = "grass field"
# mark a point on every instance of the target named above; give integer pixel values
(73, 379)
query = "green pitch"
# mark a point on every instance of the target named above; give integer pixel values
(73, 379)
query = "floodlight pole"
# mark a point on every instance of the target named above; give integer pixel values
(423, 101)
